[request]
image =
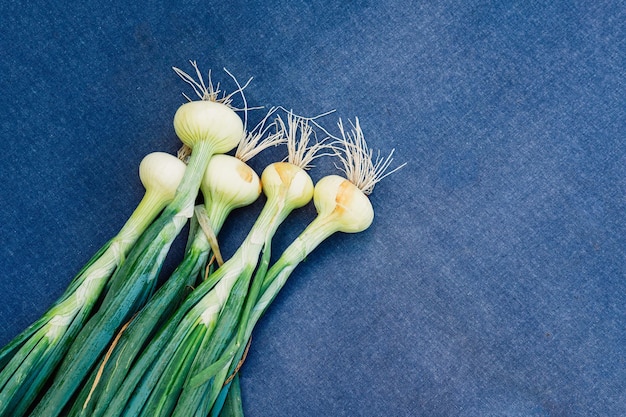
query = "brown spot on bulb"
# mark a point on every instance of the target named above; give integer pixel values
(245, 172)
(285, 172)
(344, 195)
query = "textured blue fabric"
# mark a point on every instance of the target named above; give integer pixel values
(492, 282)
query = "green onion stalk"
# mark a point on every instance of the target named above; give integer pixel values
(228, 183)
(207, 127)
(157, 380)
(342, 205)
(28, 361)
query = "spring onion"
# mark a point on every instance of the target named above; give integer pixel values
(29, 359)
(207, 127)
(116, 345)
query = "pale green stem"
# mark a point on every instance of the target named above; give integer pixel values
(245, 259)
(94, 278)
(315, 233)
(218, 211)
(188, 188)
(146, 211)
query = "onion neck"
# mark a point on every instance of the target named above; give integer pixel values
(146, 211)
(272, 215)
(323, 226)
(316, 232)
(190, 184)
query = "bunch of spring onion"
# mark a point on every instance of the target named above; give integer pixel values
(30, 359)
(177, 352)
(228, 183)
(156, 384)
(208, 126)
(342, 206)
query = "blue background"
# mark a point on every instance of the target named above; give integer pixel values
(492, 282)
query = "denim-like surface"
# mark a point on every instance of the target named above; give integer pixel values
(492, 282)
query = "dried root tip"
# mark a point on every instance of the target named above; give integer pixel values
(297, 133)
(207, 229)
(184, 153)
(359, 164)
(206, 90)
(239, 364)
(259, 139)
